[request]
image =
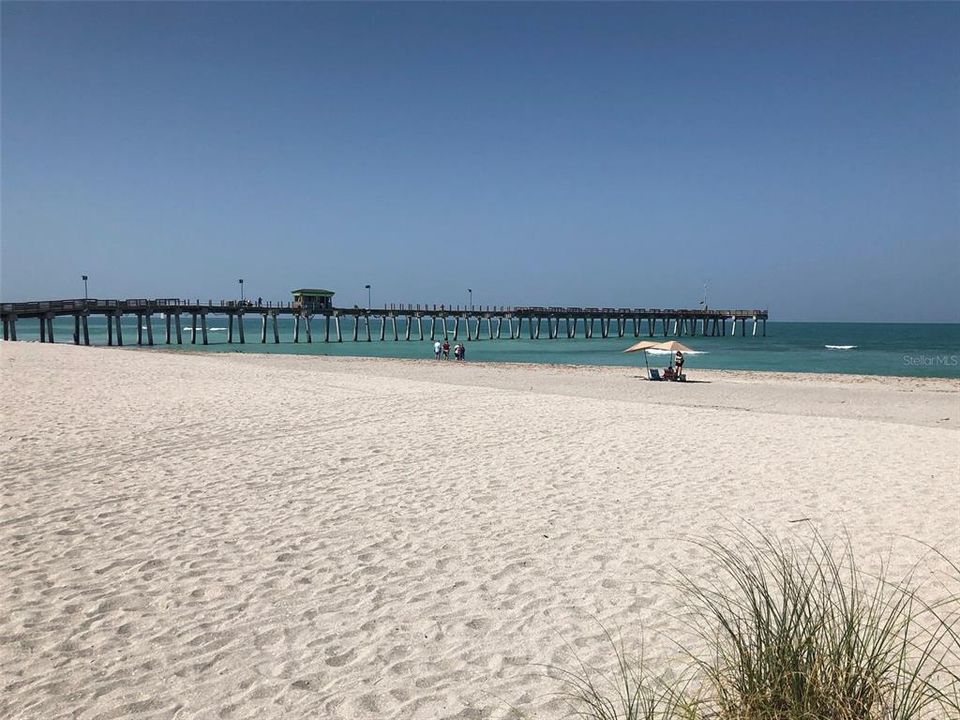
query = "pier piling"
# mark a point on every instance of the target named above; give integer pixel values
(678, 322)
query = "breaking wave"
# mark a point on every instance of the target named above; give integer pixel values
(671, 352)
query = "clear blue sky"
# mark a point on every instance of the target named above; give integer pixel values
(804, 157)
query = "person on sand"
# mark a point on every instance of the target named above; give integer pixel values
(678, 361)
(668, 374)
(456, 352)
(436, 349)
(446, 350)
(463, 351)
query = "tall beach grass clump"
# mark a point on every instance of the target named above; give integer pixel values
(796, 632)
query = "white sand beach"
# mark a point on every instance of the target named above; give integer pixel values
(188, 535)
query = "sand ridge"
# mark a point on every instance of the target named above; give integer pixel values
(242, 536)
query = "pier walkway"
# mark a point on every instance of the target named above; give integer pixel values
(447, 322)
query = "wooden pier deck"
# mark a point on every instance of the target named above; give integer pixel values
(448, 322)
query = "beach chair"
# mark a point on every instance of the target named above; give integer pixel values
(655, 374)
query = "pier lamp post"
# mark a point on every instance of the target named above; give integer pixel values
(84, 287)
(241, 291)
(367, 287)
(470, 291)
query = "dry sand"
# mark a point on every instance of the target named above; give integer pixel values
(244, 536)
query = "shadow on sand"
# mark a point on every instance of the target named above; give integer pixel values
(685, 382)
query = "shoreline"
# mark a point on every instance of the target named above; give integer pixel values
(933, 383)
(929, 402)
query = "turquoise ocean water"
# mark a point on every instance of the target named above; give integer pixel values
(877, 349)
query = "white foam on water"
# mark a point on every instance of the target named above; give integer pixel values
(187, 329)
(671, 352)
(840, 347)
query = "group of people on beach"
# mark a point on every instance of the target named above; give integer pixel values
(443, 350)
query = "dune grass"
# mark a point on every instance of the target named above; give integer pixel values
(629, 693)
(794, 633)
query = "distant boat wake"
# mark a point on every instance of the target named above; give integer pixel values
(840, 347)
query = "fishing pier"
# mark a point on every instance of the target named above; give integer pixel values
(324, 323)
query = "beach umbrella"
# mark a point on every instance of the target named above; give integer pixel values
(671, 345)
(645, 345)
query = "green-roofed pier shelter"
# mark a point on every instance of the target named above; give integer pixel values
(315, 299)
